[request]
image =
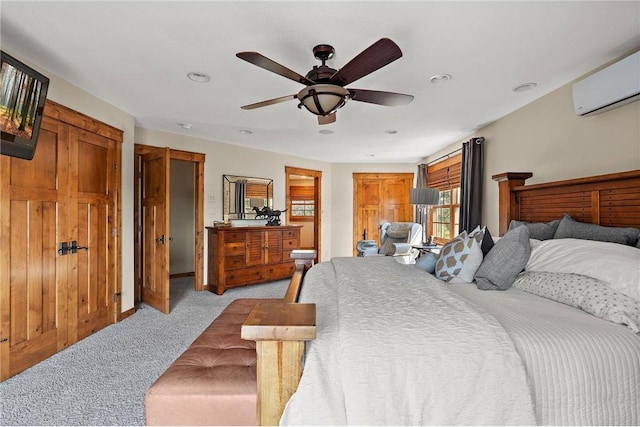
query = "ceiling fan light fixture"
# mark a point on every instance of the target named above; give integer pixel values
(322, 99)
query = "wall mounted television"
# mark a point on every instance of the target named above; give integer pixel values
(23, 92)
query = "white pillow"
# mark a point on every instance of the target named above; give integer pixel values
(615, 264)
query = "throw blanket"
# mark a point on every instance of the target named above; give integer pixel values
(396, 347)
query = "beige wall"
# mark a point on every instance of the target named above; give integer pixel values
(549, 140)
(228, 159)
(182, 217)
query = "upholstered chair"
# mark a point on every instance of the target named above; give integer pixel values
(396, 239)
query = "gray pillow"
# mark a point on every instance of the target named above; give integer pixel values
(569, 228)
(638, 244)
(538, 230)
(505, 261)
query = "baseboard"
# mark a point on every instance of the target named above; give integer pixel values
(127, 313)
(178, 275)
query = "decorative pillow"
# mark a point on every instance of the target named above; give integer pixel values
(616, 265)
(583, 292)
(460, 258)
(502, 264)
(538, 230)
(427, 262)
(572, 229)
(487, 241)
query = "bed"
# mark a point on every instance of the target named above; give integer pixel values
(560, 345)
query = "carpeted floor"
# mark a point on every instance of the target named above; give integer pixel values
(102, 379)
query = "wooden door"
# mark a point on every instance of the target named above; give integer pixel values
(91, 214)
(155, 211)
(33, 293)
(379, 198)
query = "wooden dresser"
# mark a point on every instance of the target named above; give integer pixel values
(240, 256)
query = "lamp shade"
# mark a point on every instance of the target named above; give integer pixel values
(323, 99)
(424, 196)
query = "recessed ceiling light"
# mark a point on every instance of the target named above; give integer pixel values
(524, 87)
(245, 131)
(440, 78)
(391, 132)
(184, 125)
(199, 77)
(371, 155)
(325, 131)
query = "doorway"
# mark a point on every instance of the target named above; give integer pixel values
(304, 205)
(152, 219)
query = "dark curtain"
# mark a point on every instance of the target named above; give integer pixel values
(421, 211)
(241, 189)
(471, 184)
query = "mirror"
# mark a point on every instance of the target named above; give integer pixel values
(243, 193)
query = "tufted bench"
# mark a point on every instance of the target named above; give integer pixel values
(214, 381)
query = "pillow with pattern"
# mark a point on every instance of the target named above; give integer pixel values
(583, 292)
(460, 258)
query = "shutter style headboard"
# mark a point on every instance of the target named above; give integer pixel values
(612, 200)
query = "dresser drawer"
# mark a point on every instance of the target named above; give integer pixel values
(288, 244)
(279, 271)
(244, 276)
(233, 262)
(234, 248)
(234, 236)
(290, 234)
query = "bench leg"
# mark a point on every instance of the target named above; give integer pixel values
(279, 367)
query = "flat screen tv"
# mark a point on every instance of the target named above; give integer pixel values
(23, 92)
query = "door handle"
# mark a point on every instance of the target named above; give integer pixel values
(163, 239)
(73, 247)
(63, 249)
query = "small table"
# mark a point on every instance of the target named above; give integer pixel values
(427, 248)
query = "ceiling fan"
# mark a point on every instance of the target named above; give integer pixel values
(324, 91)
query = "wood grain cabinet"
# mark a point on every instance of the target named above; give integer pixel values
(240, 256)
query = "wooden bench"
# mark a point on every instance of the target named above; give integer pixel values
(214, 382)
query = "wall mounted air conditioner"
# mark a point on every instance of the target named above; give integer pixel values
(609, 88)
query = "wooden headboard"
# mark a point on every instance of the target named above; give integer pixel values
(612, 200)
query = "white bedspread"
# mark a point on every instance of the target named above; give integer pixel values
(583, 370)
(429, 357)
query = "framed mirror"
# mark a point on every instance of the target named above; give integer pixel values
(243, 193)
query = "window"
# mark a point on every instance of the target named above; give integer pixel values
(445, 216)
(303, 207)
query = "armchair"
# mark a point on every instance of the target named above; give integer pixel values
(396, 239)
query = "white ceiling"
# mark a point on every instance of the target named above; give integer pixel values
(136, 56)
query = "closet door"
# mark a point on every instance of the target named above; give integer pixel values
(34, 283)
(379, 198)
(91, 210)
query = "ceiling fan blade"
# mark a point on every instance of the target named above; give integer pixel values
(325, 120)
(390, 99)
(263, 62)
(376, 56)
(268, 102)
